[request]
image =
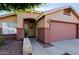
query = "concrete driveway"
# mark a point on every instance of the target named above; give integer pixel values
(67, 47)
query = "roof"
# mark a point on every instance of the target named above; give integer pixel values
(46, 12)
(37, 11)
(10, 14)
(57, 9)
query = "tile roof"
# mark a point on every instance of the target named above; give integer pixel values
(57, 9)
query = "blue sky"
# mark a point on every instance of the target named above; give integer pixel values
(50, 6)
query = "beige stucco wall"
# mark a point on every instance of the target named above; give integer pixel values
(59, 16)
(22, 16)
(40, 24)
(8, 19)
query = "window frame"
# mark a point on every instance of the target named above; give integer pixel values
(8, 28)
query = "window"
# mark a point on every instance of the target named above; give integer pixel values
(9, 28)
(67, 12)
(4, 28)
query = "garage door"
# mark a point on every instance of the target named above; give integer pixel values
(62, 31)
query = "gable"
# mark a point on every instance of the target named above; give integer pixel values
(60, 16)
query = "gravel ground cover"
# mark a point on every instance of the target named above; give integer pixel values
(11, 47)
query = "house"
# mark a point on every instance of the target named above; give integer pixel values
(49, 26)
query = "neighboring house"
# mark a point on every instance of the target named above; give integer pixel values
(54, 25)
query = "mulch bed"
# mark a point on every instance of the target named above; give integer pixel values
(45, 45)
(11, 47)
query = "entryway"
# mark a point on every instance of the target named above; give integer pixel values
(29, 28)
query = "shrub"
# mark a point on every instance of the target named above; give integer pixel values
(2, 40)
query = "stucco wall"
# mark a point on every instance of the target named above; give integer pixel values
(9, 19)
(20, 21)
(12, 18)
(22, 16)
(56, 16)
(59, 16)
(40, 24)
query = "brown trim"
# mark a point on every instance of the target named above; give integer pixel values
(62, 21)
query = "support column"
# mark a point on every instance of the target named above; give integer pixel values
(20, 33)
(41, 34)
(44, 35)
(47, 35)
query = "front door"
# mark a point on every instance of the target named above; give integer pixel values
(29, 30)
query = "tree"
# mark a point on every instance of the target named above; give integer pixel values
(13, 7)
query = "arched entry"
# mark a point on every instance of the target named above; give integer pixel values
(29, 27)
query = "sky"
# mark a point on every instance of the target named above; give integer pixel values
(49, 6)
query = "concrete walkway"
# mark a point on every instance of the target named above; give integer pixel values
(38, 49)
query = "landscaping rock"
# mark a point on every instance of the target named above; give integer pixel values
(11, 47)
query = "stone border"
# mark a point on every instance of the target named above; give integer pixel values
(27, 47)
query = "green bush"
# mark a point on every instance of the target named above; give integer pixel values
(2, 40)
